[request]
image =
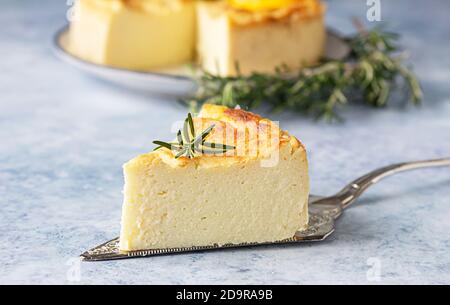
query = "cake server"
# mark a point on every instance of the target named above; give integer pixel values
(323, 212)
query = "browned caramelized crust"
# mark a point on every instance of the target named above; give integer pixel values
(300, 10)
(141, 5)
(253, 136)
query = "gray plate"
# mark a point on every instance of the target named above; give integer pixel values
(174, 81)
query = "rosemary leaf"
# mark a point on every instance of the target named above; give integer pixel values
(180, 138)
(218, 146)
(191, 125)
(186, 136)
(372, 70)
(182, 152)
(201, 138)
(188, 144)
(162, 144)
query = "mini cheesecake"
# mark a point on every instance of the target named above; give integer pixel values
(254, 193)
(259, 35)
(134, 34)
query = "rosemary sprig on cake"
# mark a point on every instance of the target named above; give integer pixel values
(189, 145)
(373, 68)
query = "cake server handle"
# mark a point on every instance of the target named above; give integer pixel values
(355, 189)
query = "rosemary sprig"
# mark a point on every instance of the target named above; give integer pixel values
(370, 72)
(189, 145)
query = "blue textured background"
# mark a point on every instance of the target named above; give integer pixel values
(64, 137)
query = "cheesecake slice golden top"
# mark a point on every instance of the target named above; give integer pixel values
(253, 137)
(257, 192)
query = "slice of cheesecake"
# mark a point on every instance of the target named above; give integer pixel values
(257, 192)
(259, 35)
(134, 34)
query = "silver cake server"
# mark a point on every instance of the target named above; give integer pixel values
(323, 213)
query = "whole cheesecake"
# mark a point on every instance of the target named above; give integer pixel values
(245, 36)
(134, 34)
(257, 192)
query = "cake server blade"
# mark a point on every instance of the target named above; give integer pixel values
(319, 228)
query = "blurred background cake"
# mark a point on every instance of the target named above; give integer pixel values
(259, 35)
(134, 34)
(256, 35)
